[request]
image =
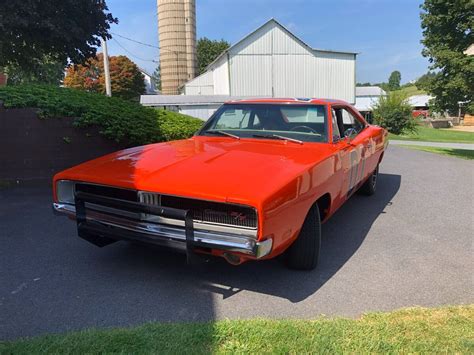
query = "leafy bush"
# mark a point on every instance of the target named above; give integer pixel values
(394, 113)
(120, 120)
(175, 126)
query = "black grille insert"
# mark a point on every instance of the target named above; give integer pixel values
(202, 211)
(107, 191)
(214, 212)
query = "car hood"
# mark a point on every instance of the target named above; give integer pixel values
(223, 169)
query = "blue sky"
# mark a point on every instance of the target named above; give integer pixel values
(386, 33)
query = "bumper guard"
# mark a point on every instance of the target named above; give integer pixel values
(103, 228)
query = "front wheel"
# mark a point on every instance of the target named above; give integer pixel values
(303, 254)
(370, 185)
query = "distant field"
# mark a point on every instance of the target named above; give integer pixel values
(411, 90)
(436, 135)
(444, 330)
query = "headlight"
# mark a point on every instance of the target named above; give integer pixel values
(65, 191)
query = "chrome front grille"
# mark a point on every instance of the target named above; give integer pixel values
(209, 212)
(205, 211)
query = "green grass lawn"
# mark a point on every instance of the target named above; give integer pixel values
(416, 330)
(458, 153)
(411, 90)
(428, 134)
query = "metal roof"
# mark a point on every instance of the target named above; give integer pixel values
(143, 71)
(183, 100)
(277, 100)
(299, 40)
(366, 103)
(192, 100)
(369, 91)
(420, 100)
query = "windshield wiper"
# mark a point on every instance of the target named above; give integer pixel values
(277, 136)
(223, 133)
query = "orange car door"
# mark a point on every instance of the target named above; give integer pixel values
(368, 159)
(354, 149)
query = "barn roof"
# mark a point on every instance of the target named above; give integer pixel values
(369, 91)
(291, 34)
(420, 100)
(183, 100)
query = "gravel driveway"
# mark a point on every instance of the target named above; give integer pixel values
(410, 244)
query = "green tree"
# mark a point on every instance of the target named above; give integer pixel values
(384, 86)
(394, 80)
(208, 50)
(156, 77)
(424, 81)
(45, 71)
(447, 32)
(60, 29)
(126, 79)
(394, 113)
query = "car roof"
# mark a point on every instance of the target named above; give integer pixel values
(288, 101)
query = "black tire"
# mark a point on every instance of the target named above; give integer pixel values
(303, 254)
(370, 185)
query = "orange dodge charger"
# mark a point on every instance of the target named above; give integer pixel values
(255, 182)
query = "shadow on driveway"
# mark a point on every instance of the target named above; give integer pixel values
(52, 281)
(342, 236)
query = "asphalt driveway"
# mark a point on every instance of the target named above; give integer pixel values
(410, 244)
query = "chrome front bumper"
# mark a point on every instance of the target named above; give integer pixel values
(105, 223)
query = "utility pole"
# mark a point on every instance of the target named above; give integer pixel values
(108, 87)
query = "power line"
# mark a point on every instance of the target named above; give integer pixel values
(133, 55)
(146, 44)
(134, 40)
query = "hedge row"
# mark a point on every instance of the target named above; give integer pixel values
(120, 120)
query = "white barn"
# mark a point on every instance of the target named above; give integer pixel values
(150, 88)
(367, 97)
(273, 62)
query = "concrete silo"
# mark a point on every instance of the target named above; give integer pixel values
(177, 35)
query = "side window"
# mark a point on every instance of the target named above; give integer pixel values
(256, 122)
(349, 121)
(336, 135)
(233, 119)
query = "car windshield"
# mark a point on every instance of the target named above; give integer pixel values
(304, 123)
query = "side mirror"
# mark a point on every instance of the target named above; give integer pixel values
(350, 133)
